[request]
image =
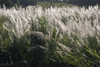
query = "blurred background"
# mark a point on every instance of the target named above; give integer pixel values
(48, 3)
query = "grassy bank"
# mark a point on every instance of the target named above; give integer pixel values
(48, 4)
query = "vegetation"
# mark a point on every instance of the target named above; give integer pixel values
(50, 37)
(11, 3)
(25, 3)
(48, 4)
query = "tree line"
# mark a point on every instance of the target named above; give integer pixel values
(84, 2)
(24, 3)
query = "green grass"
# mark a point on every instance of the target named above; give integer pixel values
(4, 33)
(55, 55)
(48, 4)
(56, 52)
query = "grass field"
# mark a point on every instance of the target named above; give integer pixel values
(48, 4)
(50, 37)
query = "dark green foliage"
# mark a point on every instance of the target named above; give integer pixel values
(19, 47)
(4, 42)
(4, 36)
(31, 49)
(7, 3)
(11, 3)
(91, 52)
(24, 3)
(84, 2)
(43, 25)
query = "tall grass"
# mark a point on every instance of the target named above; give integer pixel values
(72, 35)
